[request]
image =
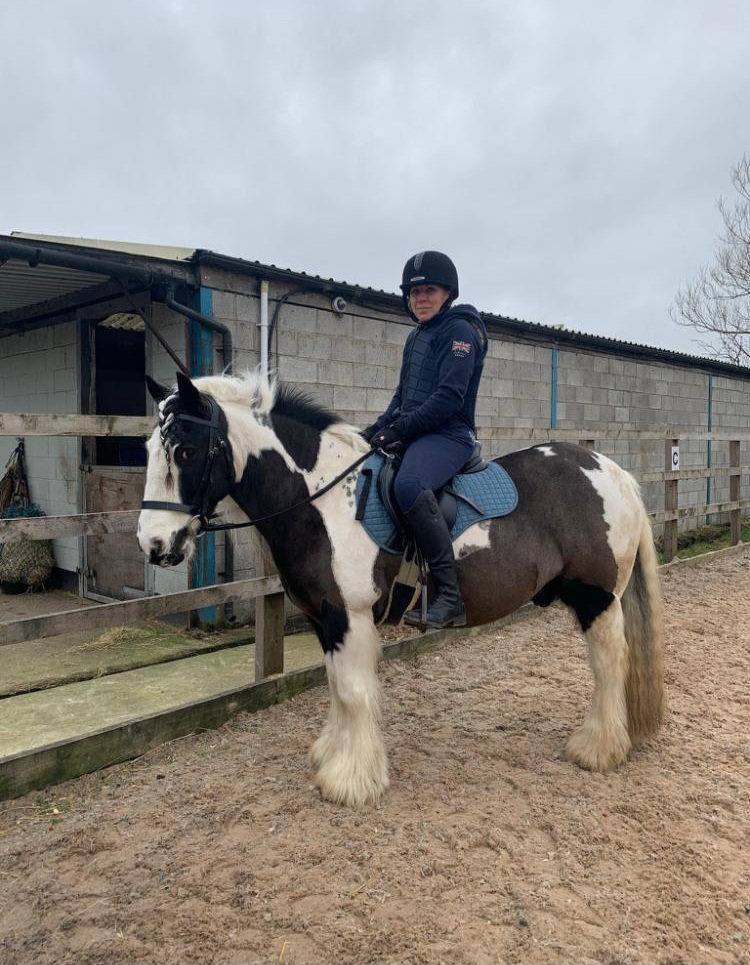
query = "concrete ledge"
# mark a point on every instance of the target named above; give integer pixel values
(51, 736)
(52, 763)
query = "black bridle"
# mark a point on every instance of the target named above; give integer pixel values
(218, 446)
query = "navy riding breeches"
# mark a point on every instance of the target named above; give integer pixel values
(429, 463)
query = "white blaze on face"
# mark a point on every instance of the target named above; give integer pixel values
(158, 528)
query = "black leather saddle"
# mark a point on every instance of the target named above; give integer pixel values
(446, 496)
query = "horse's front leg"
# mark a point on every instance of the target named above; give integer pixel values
(349, 756)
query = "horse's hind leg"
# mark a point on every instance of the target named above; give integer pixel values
(602, 741)
(349, 756)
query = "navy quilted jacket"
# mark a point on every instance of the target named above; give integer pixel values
(440, 372)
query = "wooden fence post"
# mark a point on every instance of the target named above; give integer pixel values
(734, 491)
(670, 503)
(269, 628)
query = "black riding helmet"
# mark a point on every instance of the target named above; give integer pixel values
(429, 268)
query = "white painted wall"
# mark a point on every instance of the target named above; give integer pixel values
(39, 373)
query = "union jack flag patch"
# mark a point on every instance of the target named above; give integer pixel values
(461, 348)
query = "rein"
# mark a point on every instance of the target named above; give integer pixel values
(214, 528)
(217, 445)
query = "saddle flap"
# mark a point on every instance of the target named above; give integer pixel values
(485, 491)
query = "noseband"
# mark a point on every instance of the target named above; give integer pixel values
(217, 445)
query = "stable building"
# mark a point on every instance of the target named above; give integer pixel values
(83, 322)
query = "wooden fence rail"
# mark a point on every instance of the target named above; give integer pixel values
(12, 424)
(85, 524)
(269, 613)
(109, 615)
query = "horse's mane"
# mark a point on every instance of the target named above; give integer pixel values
(270, 397)
(295, 404)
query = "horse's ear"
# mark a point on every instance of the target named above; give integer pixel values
(157, 391)
(189, 395)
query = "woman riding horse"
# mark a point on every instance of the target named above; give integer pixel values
(277, 461)
(432, 415)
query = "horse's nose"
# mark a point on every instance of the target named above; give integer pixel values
(156, 552)
(172, 558)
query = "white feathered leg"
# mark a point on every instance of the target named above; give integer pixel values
(349, 756)
(602, 741)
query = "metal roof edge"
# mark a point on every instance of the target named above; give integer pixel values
(167, 252)
(498, 323)
(601, 343)
(103, 256)
(313, 282)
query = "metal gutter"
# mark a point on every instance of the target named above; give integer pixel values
(36, 255)
(599, 343)
(325, 286)
(498, 325)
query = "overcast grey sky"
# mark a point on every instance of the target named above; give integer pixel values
(568, 154)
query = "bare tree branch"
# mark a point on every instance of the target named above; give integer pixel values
(717, 304)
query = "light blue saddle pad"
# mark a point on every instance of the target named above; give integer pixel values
(492, 491)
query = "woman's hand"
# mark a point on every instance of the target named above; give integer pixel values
(387, 439)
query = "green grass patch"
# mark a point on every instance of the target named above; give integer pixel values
(703, 539)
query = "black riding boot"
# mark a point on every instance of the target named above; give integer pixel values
(434, 541)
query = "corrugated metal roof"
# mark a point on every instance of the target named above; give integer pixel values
(555, 334)
(28, 282)
(22, 285)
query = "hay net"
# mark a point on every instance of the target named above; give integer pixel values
(25, 564)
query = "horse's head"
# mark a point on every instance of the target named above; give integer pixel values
(189, 471)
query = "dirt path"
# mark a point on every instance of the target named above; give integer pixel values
(489, 848)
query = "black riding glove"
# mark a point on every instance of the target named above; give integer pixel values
(388, 439)
(369, 432)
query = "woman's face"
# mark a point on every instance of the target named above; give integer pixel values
(426, 301)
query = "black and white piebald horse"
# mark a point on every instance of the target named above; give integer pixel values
(580, 533)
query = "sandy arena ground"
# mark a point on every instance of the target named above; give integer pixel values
(489, 847)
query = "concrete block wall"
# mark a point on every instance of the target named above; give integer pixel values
(39, 373)
(600, 392)
(730, 410)
(515, 392)
(351, 364)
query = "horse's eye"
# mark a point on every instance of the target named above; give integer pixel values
(185, 453)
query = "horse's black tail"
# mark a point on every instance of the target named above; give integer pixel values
(644, 631)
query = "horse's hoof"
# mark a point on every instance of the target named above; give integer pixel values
(353, 790)
(596, 754)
